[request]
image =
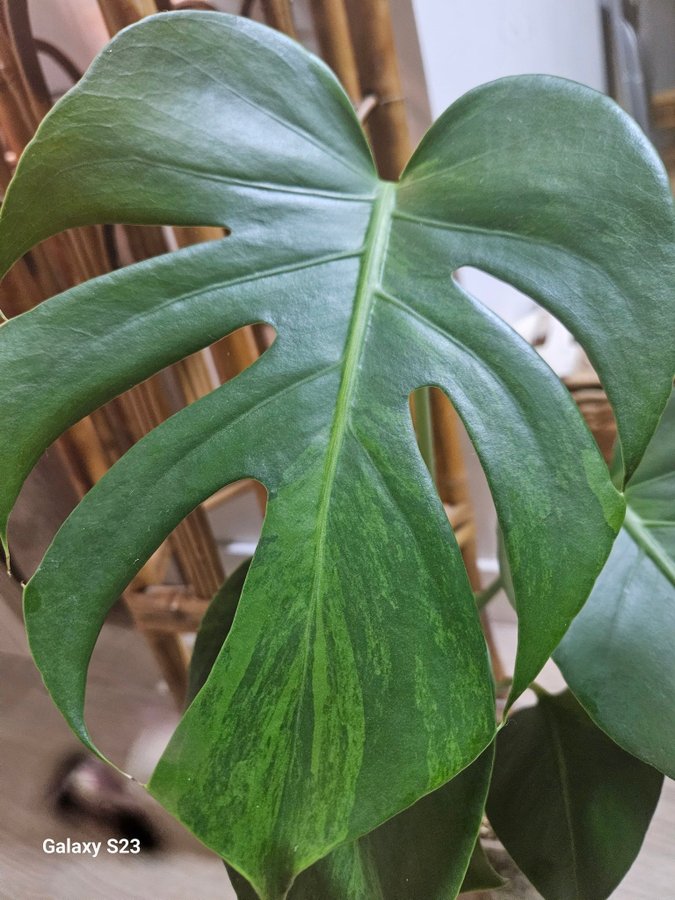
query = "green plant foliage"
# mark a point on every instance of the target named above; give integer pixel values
(422, 852)
(355, 678)
(214, 628)
(569, 805)
(618, 656)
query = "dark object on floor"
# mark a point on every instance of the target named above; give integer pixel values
(86, 788)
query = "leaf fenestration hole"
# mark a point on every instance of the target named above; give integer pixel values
(553, 342)
(162, 612)
(531, 321)
(461, 486)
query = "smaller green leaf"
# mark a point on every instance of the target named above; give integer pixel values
(480, 876)
(569, 805)
(618, 656)
(420, 854)
(214, 628)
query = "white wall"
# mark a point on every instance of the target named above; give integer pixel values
(465, 43)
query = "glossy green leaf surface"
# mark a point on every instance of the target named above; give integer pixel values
(355, 678)
(569, 805)
(420, 854)
(618, 655)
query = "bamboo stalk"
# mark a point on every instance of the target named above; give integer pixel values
(278, 15)
(450, 468)
(194, 377)
(458, 513)
(117, 14)
(421, 408)
(235, 352)
(375, 52)
(229, 492)
(17, 119)
(17, 22)
(188, 235)
(332, 29)
(144, 242)
(663, 109)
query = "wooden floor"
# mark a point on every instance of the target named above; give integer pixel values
(131, 717)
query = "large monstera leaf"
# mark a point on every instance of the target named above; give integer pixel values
(617, 657)
(355, 678)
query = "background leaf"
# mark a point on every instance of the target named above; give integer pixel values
(618, 655)
(569, 805)
(214, 628)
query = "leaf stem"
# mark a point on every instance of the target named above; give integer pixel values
(483, 597)
(646, 541)
(424, 428)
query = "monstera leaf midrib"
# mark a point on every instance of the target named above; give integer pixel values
(563, 773)
(372, 265)
(617, 656)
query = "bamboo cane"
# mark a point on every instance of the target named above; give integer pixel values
(239, 349)
(120, 13)
(278, 15)
(373, 36)
(332, 29)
